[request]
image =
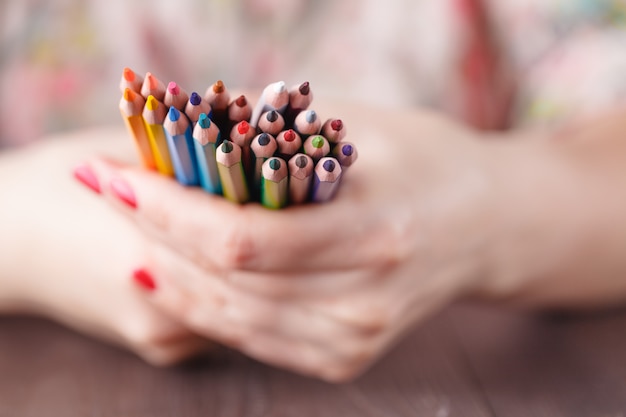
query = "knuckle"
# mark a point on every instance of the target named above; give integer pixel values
(340, 374)
(238, 248)
(364, 318)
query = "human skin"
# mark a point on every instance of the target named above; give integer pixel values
(432, 212)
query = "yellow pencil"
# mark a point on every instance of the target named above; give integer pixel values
(131, 107)
(230, 169)
(154, 114)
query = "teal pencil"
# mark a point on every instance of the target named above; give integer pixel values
(206, 136)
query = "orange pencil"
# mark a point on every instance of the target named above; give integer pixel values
(131, 107)
(195, 106)
(175, 96)
(130, 79)
(301, 169)
(307, 123)
(289, 143)
(218, 97)
(152, 86)
(274, 97)
(326, 179)
(316, 147)
(271, 122)
(333, 130)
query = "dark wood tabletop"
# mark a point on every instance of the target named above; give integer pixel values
(468, 361)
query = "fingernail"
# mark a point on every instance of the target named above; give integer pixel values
(85, 174)
(122, 190)
(144, 279)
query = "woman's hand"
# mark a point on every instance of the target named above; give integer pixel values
(65, 256)
(322, 289)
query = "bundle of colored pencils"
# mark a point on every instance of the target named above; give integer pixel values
(278, 152)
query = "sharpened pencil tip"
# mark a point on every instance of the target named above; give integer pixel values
(317, 142)
(129, 95)
(173, 88)
(274, 164)
(311, 116)
(195, 99)
(347, 150)
(152, 103)
(218, 87)
(153, 83)
(272, 116)
(129, 75)
(241, 101)
(289, 136)
(227, 147)
(279, 87)
(243, 127)
(329, 165)
(304, 88)
(301, 161)
(336, 125)
(264, 139)
(173, 114)
(204, 121)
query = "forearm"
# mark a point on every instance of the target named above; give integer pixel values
(559, 224)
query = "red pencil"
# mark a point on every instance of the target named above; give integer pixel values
(238, 110)
(334, 130)
(289, 143)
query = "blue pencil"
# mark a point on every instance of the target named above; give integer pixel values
(180, 143)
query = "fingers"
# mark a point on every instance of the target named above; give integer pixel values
(215, 233)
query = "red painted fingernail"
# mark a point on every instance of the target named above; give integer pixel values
(122, 190)
(85, 175)
(144, 279)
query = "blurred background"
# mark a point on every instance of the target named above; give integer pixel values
(61, 61)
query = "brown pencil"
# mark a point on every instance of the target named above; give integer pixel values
(228, 158)
(307, 123)
(131, 108)
(300, 98)
(301, 169)
(326, 179)
(333, 130)
(175, 96)
(289, 143)
(271, 122)
(238, 110)
(152, 86)
(130, 79)
(316, 147)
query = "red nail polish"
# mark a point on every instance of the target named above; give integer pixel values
(85, 175)
(122, 190)
(144, 279)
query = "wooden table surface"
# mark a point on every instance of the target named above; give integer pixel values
(468, 361)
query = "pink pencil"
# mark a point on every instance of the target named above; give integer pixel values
(175, 96)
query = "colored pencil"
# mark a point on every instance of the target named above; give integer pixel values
(262, 147)
(180, 143)
(228, 157)
(274, 97)
(175, 96)
(218, 97)
(130, 79)
(316, 147)
(238, 110)
(206, 137)
(301, 169)
(346, 154)
(326, 179)
(289, 143)
(271, 122)
(307, 123)
(300, 98)
(154, 113)
(131, 108)
(242, 134)
(152, 86)
(333, 130)
(195, 106)
(274, 183)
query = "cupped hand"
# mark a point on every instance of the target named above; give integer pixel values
(322, 289)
